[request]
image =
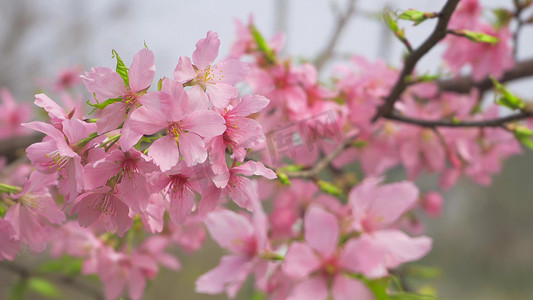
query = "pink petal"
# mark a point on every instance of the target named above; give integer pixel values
(50, 106)
(192, 147)
(75, 130)
(198, 99)
(98, 173)
(393, 200)
(135, 192)
(165, 153)
(205, 123)
(128, 137)
(230, 269)
(142, 70)
(314, 288)
(348, 289)
(209, 200)
(250, 168)
(402, 248)
(184, 70)
(181, 205)
(250, 104)
(206, 50)
(321, 231)
(364, 255)
(136, 284)
(300, 261)
(146, 121)
(221, 93)
(111, 117)
(104, 82)
(230, 230)
(231, 71)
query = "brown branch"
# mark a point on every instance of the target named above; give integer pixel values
(77, 285)
(498, 122)
(465, 83)
(401, 84)
(324, 162)
(342, 21)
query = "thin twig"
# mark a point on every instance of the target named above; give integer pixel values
(465, 83)
(498, 122)
(342, 21)
(324, 162)
(401, 84)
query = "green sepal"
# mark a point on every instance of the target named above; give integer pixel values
(121, 69)
(283, 178)
(416, 16)
(478, 37)
(507, 98)
(329, 188)
(523, 135)
(103, 104)
(262, 45)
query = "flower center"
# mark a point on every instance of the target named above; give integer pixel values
(56, 160)
(129, 99)
(103, 204)
(174, 129)
(209, 75)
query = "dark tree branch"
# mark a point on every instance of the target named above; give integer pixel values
(342, 21)
(401, 84)
(460, 124)
(465, 83)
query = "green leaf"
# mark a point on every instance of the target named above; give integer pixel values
(329, 188)
(19, 289)
(262, 45)
(66, 265)
(416, 16)
(43, 287)
(507, 98)
(121, 69)
(258, 296)
(292, 168)
(503, 17)
(478, 37)
(379, 288)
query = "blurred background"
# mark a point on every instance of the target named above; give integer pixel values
(484, 240)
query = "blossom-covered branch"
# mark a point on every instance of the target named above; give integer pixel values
(410, 62)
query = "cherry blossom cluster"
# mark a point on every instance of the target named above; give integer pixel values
(157, 165)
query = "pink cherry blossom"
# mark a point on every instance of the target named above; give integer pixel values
(185, 127)
(216, 80)
(9, 245)
(103, 207)
(245, 240)
(34, 209)
(318, 261)
(12, 114)
(130, 169)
